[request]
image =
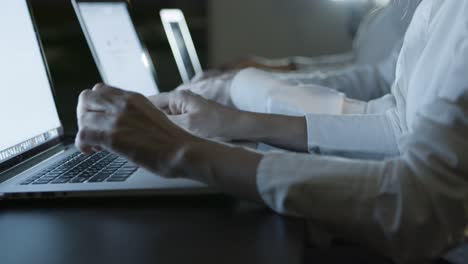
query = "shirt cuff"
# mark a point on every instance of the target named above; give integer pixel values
(353, 136)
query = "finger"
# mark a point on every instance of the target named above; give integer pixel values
(164, 102)
(109, 90)
(92, 101)
(115, 96)
(102, 98)
(87, 140)
(174, 101)
(161, 100)
(97, 149)
(95, 120)
(178, 102)
(166, 111)
(92, 134)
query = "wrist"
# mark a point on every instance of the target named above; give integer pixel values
(228, 168)
(288, 132)
(255, 127)
(235, 124)
(187, 159)
(240, 126)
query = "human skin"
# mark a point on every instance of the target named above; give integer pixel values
(136, 128)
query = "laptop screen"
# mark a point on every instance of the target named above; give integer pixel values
(183, 50)
(117, 50)
(28, 115)
(181, 42)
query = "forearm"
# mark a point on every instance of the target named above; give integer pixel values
(231, 169)
(279, 130)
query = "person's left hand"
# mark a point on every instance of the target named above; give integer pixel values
(130, 125)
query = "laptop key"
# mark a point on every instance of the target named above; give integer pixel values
(47, 179)
(69, 175)
(122, 173)
(65, 178)
(27, 182)
(103, 174)
(60, 181)
(117, 179)
(86, 174)
(78, 180)
(97, 179)
(40, 181)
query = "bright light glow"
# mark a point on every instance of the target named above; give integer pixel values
(145, 61)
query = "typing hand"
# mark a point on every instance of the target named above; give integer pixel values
(201, 117)
(130, 125)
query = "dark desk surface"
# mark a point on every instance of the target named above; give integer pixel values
(211, 229)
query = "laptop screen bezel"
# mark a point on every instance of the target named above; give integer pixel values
(169, 16)
(10, 163)
(151, 65)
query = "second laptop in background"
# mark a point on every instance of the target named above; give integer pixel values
(181, 43)
(120, 56)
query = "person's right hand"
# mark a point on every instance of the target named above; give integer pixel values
(128, 124)
(197, 115)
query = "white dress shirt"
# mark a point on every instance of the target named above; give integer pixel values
(411, 201)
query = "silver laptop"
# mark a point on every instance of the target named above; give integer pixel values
(35, 161)
(120, 56)
(181, 43)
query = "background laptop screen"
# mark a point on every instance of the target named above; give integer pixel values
(119, 55)
(182, 48)
(181, 43)
(28, 115)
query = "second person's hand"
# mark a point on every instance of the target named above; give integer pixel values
(200, 116)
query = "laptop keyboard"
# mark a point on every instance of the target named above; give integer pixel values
(80, 168)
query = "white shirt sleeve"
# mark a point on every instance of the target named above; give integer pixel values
(361, 82)
(357, 136)
(411, 207)
(324, 63)
(308, 64)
